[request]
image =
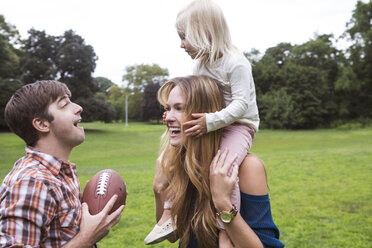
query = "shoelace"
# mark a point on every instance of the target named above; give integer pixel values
(167, 226)
(102, 183)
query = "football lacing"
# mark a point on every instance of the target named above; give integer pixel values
(102, 183)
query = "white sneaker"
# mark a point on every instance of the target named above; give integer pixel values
(160, 233)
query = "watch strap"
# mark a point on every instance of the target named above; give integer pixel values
(232, 212)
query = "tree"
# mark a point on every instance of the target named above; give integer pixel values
(151, 108)
(76, 62)
(10, 32)
(9, 65)
(95, 108)
(68, 59)
(266, 71)
(117, 100)
(9, 55)
(348, 88)
(39, 60)
(137, 78)
(305, 85)
(253, 56)
(103, 84)
(301, 78)
(276, 108)
(8, 87)
(359, 32)
(322, 61)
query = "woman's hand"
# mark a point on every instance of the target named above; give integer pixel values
(220, 183)
(198, 125)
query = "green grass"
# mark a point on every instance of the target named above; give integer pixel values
(320, 181)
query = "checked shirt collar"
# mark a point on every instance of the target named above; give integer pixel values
(50, 162)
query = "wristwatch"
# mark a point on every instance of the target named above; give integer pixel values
(227, 216)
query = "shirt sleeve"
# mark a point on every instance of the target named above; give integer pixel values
(242, 89)
(256, 211)
(26, 211)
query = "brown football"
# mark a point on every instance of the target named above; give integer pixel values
(99, 190)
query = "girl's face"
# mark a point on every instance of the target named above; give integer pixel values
(186, 45)
(176, 115)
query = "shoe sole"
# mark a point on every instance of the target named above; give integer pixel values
(158, 240)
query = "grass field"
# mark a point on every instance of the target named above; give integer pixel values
(320, 181)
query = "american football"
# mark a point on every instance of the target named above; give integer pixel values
(99, 190)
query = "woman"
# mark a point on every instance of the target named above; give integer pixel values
(200, 190)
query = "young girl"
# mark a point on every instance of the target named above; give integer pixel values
(206, 38)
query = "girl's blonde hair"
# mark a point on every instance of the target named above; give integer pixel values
(187, 165)
(205, 28)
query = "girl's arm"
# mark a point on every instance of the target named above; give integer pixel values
(243, 106)
(252, 178)
(243, 96)
(159, 205)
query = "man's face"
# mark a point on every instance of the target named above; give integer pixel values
(64, 126)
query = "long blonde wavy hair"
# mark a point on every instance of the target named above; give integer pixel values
(187, 165)
(206, 29)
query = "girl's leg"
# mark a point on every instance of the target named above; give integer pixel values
(164, 229)
(237, 139)
(166, 216)
(166, 213)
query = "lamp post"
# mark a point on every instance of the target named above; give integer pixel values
(126, 108)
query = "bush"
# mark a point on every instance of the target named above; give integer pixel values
(275, 109)
(95, 108)
(8, 87)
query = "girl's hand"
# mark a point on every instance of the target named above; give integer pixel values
(164, 117)
(198, 125)
(220, 183)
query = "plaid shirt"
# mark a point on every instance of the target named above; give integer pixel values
(39, 202)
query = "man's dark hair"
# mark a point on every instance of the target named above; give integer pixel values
(29, 102)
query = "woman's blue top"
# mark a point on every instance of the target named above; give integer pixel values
(256, 211)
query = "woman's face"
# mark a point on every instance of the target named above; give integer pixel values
(176, 115)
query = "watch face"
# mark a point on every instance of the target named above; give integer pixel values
(225, 217)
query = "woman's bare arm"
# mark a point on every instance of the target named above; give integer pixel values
(252, 178)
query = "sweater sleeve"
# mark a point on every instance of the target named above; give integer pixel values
(243, 98)
(256, 211)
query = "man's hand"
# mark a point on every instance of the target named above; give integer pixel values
(198, 126)
(94, 227)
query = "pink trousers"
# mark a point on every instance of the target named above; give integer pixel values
(237, 138)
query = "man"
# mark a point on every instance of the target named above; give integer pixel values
(40, 197)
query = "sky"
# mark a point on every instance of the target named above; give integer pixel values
(131, 32)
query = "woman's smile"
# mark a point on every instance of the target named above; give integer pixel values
(174, 131)
(175, 115)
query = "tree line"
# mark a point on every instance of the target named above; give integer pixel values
(310, 85)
